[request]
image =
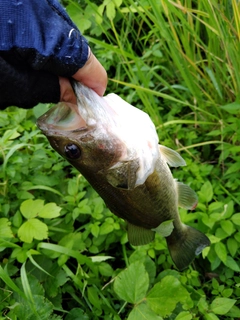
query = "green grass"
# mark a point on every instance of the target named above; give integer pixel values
(179, 62)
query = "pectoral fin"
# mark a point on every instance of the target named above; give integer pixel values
(187, 198)
(123, 175)
(138, 236)
(172, 157)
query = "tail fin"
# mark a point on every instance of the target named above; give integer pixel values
(185, 245)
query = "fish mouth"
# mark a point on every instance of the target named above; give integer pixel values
(64, 116)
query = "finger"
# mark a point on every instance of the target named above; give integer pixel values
(93, 75)
(66, 91)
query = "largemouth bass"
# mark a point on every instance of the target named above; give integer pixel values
(115, 147)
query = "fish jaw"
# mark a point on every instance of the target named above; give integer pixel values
(62, 117)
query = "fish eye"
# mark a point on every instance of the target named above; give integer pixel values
(72, 151)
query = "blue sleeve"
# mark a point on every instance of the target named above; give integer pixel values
(24, 87)
(41, 34)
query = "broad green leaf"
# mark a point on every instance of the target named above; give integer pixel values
(207, 191)
(106, 228)
(227, 226)
(236, 219)
(12, 134)
(11, 152)
(20, 254)
(76, 14)
(184, 315)
(222, 305)
(226, 293)
(40, 109)
(215, 284)
(235, 167)
(49, 211)
(83, 207)
(73, 241)
(215, 206)
(232, 264)
(3, 122)
(140, 255)
(232, 108)
(17, 219)
(165, 295)
(228, 210)
(40, 309)
(77, 314)
(72, 187)
(232, 246)
(94, 297)
(110, 10)
(213, 239)
(118, 2)
(237, 237)
(221, 251)
(143, 312)
(30, 208)
(210, 316)
(33, 229)
(99, 15)
(105, 269)
(132, 283)
(95, 229)
(206, 251)
(5, 229)
(234, 312)
(202, 305)
(221, 234)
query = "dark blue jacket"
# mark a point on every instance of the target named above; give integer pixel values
(38, 43)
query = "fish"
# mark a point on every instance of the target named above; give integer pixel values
(115, 146)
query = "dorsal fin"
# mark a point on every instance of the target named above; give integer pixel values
(172, 157)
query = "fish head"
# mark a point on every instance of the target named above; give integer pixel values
(102, 134)
(86, 146)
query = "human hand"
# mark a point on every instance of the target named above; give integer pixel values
(92, 74)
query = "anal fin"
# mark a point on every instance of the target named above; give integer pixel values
(187, 198)
(138, 236)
